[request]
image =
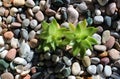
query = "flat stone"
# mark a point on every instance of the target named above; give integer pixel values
(7, 75)
(107, 71)
(95, 60)
(67, 60)
(105, 60)
(33, 23)
(86, 61)
(92, 69)
(8, 35)
(39, 16)
(71, 77)
(18, 2)
(15, 25)
(114, 54)
(76, 68)
(98, 19)
(100, 47)
(19, 60)
(99, 68)
(30, 3)
(25, 22)
(105, 36)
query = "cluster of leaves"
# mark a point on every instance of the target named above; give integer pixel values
(79, 37)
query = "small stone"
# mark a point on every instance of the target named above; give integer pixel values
(2, 41)
(25, 23)
(117, 45)
(105, 60)
(29, 57)
(111, 8)
(9, 19)
(105, 36)
(14, 43)
(71, 77)
(23, 16)
(18, 2)
(13, 11)
(82, 7)
(97, 37)
(17, 32)
(3, 65)
(2, 11)
(76, 68)
(99, 68)
(86, 61)
(115, 34)
(100, 47)
(3, 54)
(7, 75)
(88, 52)
(114, 54)
(108, 20)
(39, 16)
(42, 5)
(36, 9)
(100, 29)
(89, 21)
(27, 77)
(97, 12)
(15, 25)
(107, 71)
(102, 2)
(24, 34)
(92, 69)
(67, 61)
(38, 27)
(30, 12)
(55, 58)
(8, 35)
(33, 70)
(110, 43)
(66, 72)
(50, 12)
(32, 34)
(103, 54)
(117, 63)
(19, 60)
(95, 60)
(11, 54)
(98, 19)
(33, 43)
(33, 23)
(30, 3)
(47, 56)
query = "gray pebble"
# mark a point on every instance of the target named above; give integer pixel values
(82, 7)
(71, 77)
(23, 16)
(55, 58)
(98, 19)
(33, 23)
(92, 69)
(9, 19)
(47, 56)
(102, 2)
(99, 68)
(2, 11)
(19, 60)
(67, 60)
(108, 20)
(107, 71)
(100, 47)
(97, 37)
(29, 56)
(24, 34)
(25, 23)
(32, 34)
(66, 72)
(97, 12)
(95, 60)
(30, 3)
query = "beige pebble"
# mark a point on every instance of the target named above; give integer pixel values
(39, 16)
(13, 11)
(7, 75)
(33, 43)
(18, 2)
(15, 24)
(2, 11)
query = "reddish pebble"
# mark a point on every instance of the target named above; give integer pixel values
(27, 77)
(39, 16)
(103, 54)
(11, 54)
(33, 70)
(105, 60)
(8, 35)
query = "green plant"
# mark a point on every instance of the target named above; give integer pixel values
(81, 37)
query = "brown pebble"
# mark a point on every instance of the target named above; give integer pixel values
(50, 12)
(117, 45)
(11, 54)
(33, 43)
(39, 16)
(15, 24)
(8, 35)
(6, 13)
(18, 2)
(103, 54)
(18, 18)
(105, 60)
(33, 70)
(7, 4)
(7, 75)
(27, 77)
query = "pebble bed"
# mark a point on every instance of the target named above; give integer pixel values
(20, 26)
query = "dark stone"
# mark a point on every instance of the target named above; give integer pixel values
(66, 72)
(59, 67)
(108, 20)
(17, 33)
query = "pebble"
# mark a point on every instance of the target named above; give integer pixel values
(19, 60)
(50, 12)
(117, 63)
(107, 71)
(31, 34)
(100, 47)
(47, 56)
(117, 45)
(86, 61)
(15, 25)
(27, 77)
(2, 41)
(11, 54)
(105, 60)
(42, 5)
(72, 15)
(3, 54)
(7, 75)
(95, 60)
(98, 19)
(114, 54)
(30, 3)
(55, 58)
(23, 16)
(25, 23)
(76, 68)
(18, 2)
(111, 8)
(92, 69)
(102, 2)
(103, 54)
(13, 11)
(38, 27)
(29, 10)
(105, 36)
(71, 77)
(66, 71)
(17, 32)
(108, 20)
(35, 9)
(110, 43)
(33, 23)
(99, 68)
(88, 52)
(67, 61)
(97, 37)
(97, 12)
(82, 7)
(33, 43)
(8, 35)
(39, 16)
(9, 19)
(29, 57)
(2, 11)
(24, 34)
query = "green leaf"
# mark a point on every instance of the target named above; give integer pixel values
(46, 48)
(91, 40)
(53, 45)
(76, 50)
(55, 23)
(45, 25)
(86, 44)
(90, 31)
(71, 27)
(83, 24)
(82, 51)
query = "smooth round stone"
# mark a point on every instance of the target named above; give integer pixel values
(29, 56)
(76, 68)
(50, 12)
(99, 68)
(86, 61)
(32, 34)
(3, 54)
(97, 37)
(100, 29)
(29, 10)
(108, 20)
(103, 54)
(13, 11)
(55, 58)
(9, 19)
(30, 3)
(92, 69)
(2, 11)
(23, 16)
(115, 76)
(42, 5)
(16, 32)
(72, 14)
(33, 43)
(110, 43)
(114, 69)
(15, 25)
(117, 45)
(33, 23)
(100, 47)
(14, 43)
(2, 41)
(89, 20)
(7, 75)
(105, 60)
(71, 77)
(38, 27)
(65, 24)
(115, 34)
(24, 50)
(105, 36)
(36, 9)
(114, 54)
(25, 22)
(19, 60)
(95, 60)
(107, 71)
(8, 35)
(98, 19)
(88, 52)
(18, 2)
(82, 7)
(97, 12)
(66, 72)
(67, 61)
(47, 56)
(117, 63)
(102, 2)
(39, 16)
(24, 34)
(111, 8)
